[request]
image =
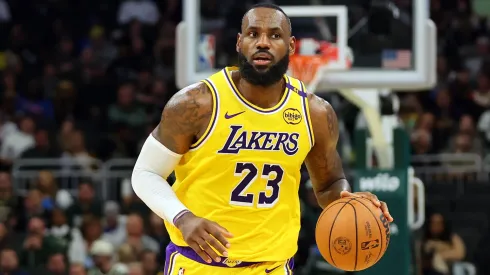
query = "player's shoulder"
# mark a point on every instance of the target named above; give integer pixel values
(192, 106)
(319, 107)
(196, 96)
(323, 117)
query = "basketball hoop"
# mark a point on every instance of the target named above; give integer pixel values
(310, 67)
(305, 67)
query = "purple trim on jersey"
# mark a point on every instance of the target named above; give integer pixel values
(191, 254)
(310, 132)
(252, 106)
(215, 117)
(181, 213)
(296, 90)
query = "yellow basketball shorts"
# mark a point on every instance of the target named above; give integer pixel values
(185, 261)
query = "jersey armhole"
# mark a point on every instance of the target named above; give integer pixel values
(214, 116)
(306, 110)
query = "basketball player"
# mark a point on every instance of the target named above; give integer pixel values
(236, 142)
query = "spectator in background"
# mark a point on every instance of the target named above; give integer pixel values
(149, 262)
(410, 111)
(33, 208)
(479, 55)
(9, 263)
(42, 148)
(68, 236)
(102, 253)
(114, 224)
(462, 144)
(441, 246)
(126, 111)
(136, 236)
(126, 254)
(85, 205)
(76, 154)
(91, 68)
(17, 142)
(56, 264)
(467, 128)
(34, 103)
(91, 231)
(47, 186)
(103, 50)
(421, 142)
(38, 246)
(66, 129)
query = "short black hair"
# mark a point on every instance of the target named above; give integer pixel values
(269, 6)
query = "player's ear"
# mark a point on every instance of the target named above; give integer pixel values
(292, 45)
(238, 42)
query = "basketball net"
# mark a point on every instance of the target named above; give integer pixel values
(312, 59)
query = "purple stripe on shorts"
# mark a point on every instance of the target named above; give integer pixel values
(191, 254)
(291, 265)
(169, 258)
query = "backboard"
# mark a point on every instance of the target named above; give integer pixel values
(393, 42)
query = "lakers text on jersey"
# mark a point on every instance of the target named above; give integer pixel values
(244, 172)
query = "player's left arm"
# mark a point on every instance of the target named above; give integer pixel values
(323, 161)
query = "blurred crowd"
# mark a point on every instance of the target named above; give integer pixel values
(88, 79)
(454, 117)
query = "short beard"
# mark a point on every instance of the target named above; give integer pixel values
(266, 78)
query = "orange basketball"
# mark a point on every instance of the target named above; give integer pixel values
(352, 234)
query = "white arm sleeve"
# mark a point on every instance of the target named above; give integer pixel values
(155, 163)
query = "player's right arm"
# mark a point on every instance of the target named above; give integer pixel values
(184, 119)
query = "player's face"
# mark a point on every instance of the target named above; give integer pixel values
(264, 46)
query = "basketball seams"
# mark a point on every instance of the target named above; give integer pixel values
(379, 227)
(357, 239)
(324, 210)
(331, 228)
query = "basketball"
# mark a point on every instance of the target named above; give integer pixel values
(352, 234)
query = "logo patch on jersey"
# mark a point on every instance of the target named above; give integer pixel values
(181, 271)
(262, 141)
(272, 269)
(227, 116)
(292, 116)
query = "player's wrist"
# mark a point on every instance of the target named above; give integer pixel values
(178, 219)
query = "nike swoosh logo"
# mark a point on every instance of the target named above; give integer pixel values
(270, 270)
(233, 115)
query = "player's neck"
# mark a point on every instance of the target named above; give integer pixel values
(263, 97)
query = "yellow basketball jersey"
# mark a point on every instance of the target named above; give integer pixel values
(244, 172)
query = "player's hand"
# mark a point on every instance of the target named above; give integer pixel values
(372, 197)
(203, 235)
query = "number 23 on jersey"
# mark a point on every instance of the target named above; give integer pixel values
(248, 173)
